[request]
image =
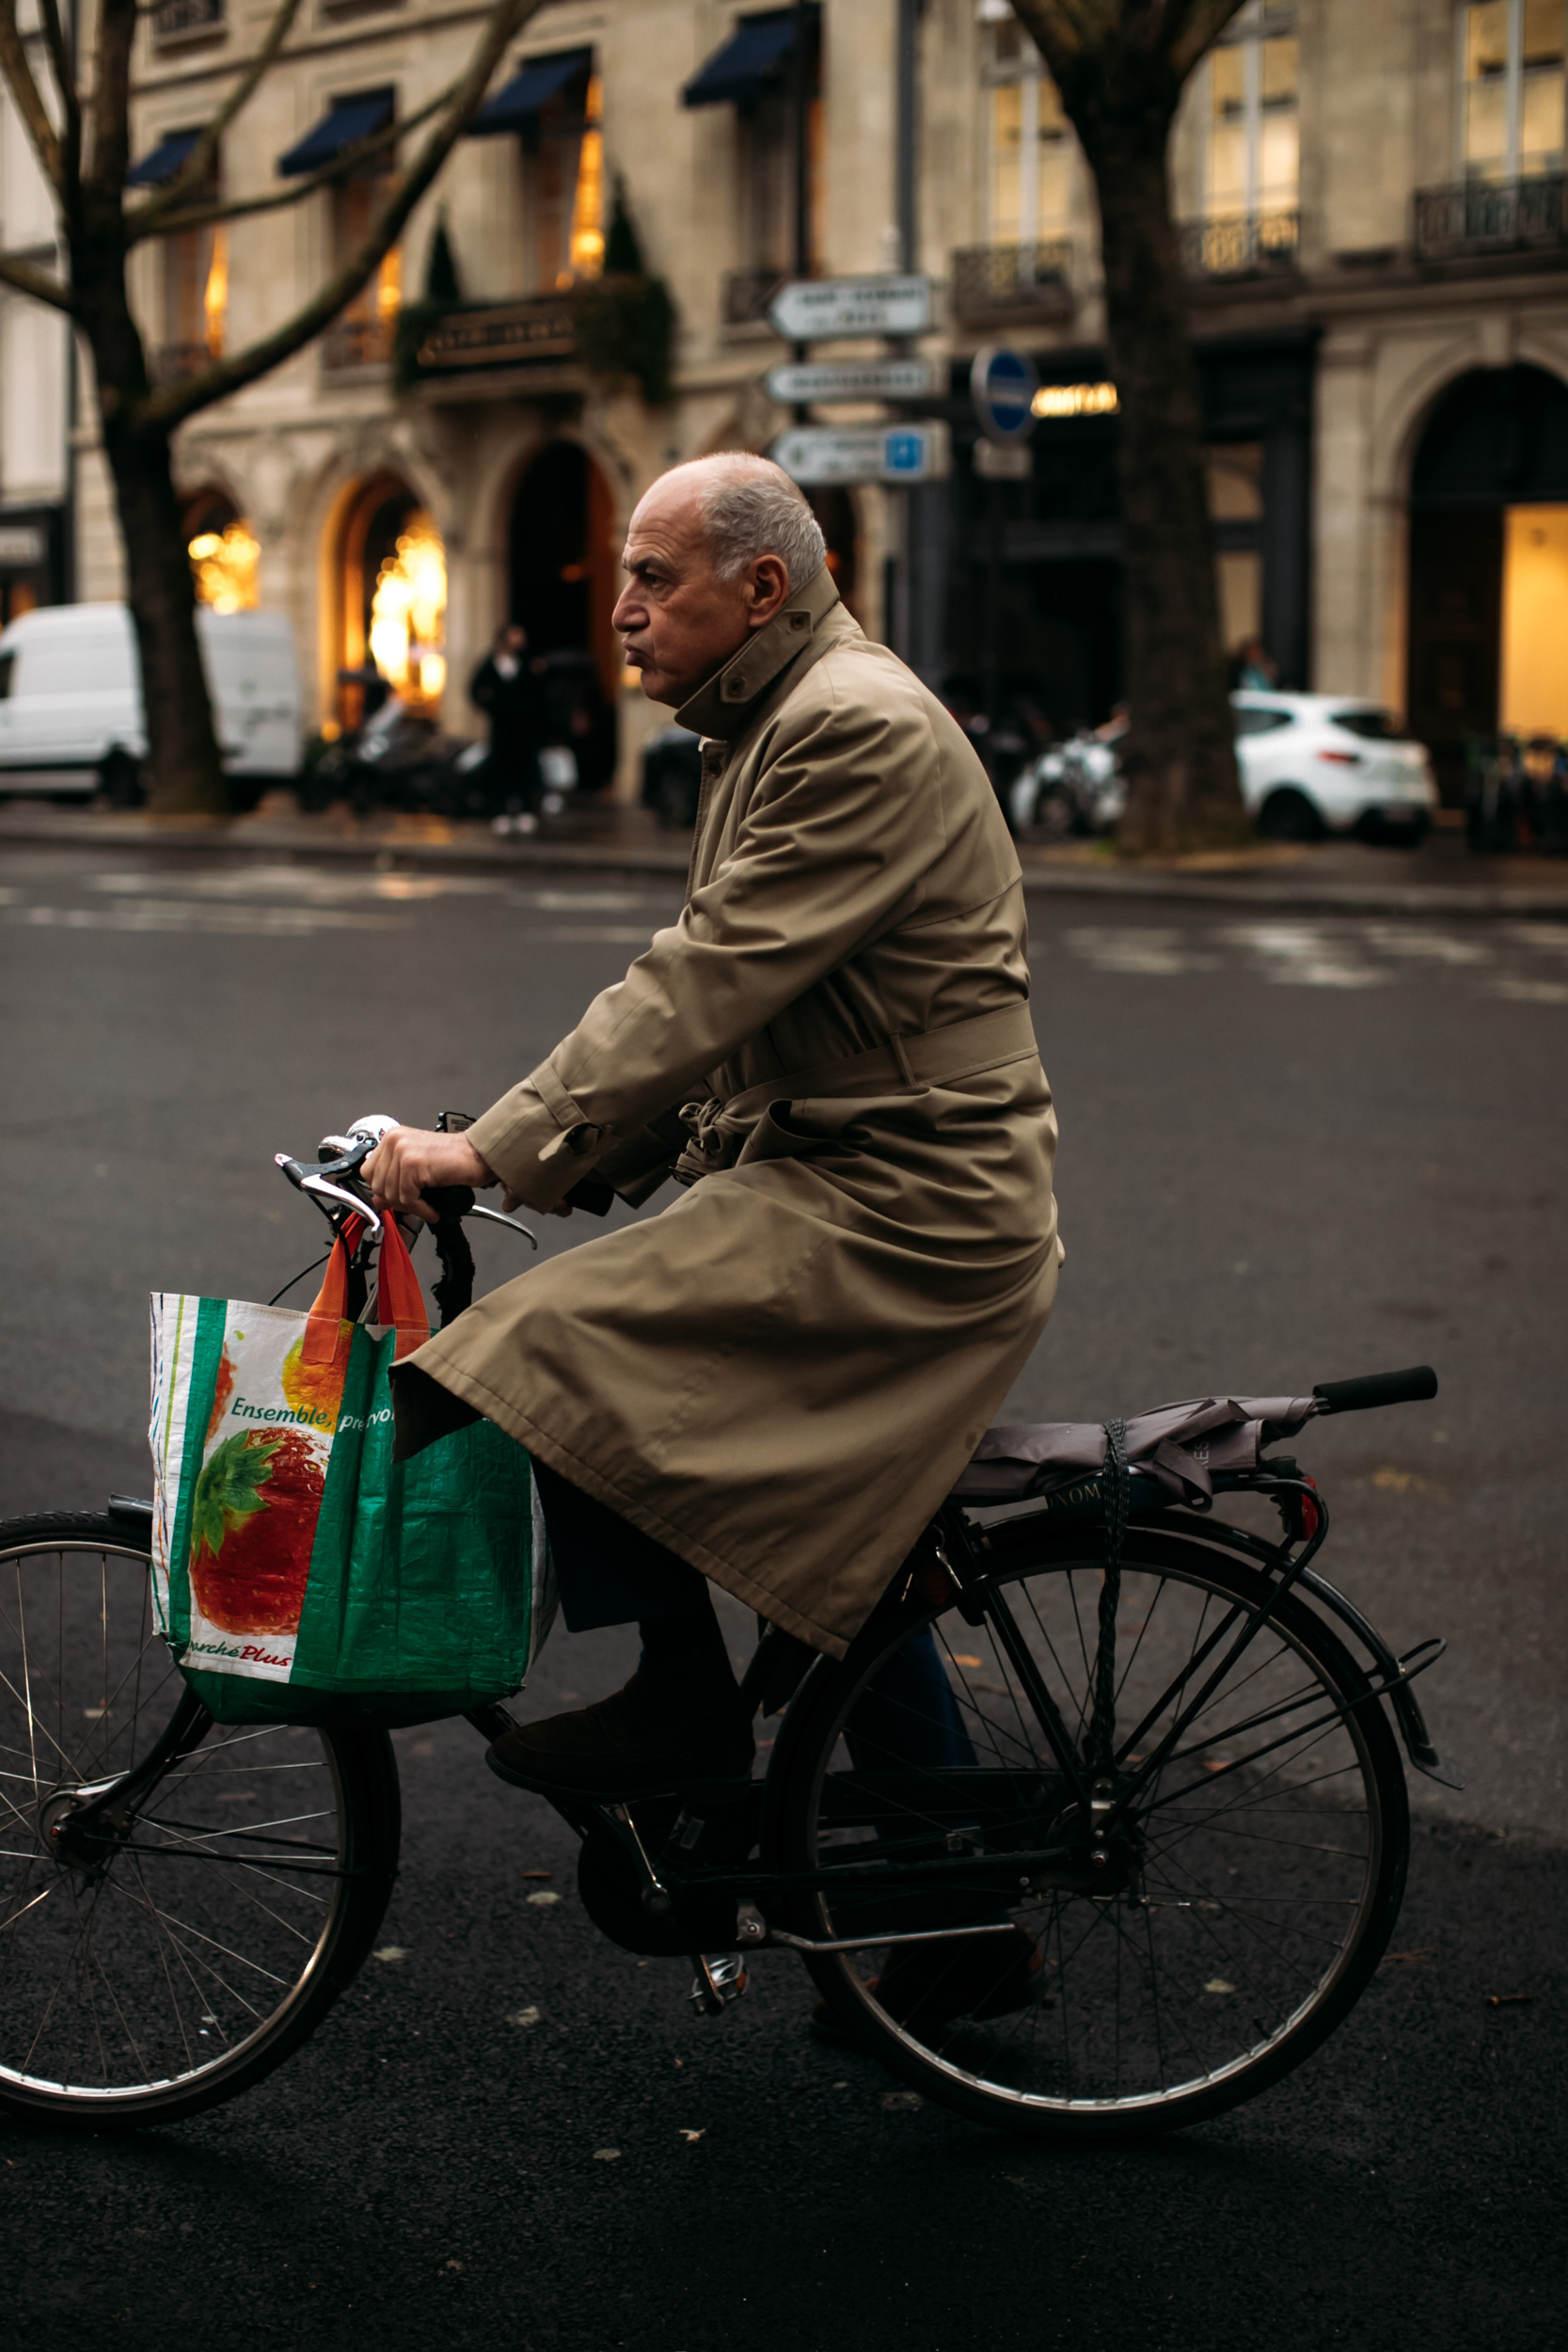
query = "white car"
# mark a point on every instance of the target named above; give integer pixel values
(1312, 764)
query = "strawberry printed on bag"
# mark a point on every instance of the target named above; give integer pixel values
(253, 1525)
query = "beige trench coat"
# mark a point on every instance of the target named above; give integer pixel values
(782, 1375)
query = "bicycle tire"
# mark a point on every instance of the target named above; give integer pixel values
(995, 2069)
(108, 1997)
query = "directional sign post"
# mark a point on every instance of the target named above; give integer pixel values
(813, 309)
(1002, 385)
(852, 379)
(815, 455)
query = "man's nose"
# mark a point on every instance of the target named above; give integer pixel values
(628, 612)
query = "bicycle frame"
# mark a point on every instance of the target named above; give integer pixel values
(962, 1552)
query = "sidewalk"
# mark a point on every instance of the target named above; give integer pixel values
(1343, 877)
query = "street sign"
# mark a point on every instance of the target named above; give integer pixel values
(816, 307)
(1002, 385)
(853, 379)
(819, 455)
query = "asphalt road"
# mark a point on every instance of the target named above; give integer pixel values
(1292, 1149)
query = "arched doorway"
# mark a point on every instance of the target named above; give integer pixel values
(562, 587)
(1489, 565)
(225, 553)
(389, 600)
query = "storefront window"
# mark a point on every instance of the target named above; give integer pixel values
(1512, 75)
(1030, 143)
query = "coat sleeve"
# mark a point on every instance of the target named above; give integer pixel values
(846, 823)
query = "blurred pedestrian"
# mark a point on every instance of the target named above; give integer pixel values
(509, 686)
(1254, 667)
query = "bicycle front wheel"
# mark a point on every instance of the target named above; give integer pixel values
(181, 1965)
(1252, 1886)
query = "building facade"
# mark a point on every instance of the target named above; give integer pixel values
(1373, 225)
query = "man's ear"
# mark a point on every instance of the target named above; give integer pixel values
(766, 588)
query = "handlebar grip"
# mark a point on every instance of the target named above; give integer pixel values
(1415, 1386)
(449, 1200)
(592, 1192)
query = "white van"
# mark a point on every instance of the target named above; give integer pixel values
(71, 704)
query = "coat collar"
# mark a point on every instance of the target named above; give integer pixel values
(724, 705)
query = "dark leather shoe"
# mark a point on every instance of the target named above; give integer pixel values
(625, 1746)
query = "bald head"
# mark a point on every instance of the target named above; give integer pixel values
(714, 550)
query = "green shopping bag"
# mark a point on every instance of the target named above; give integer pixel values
(299, 1574)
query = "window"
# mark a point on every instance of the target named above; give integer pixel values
(1511, 71)
(1375, 726)
(563, 186)
(195, 289)
(364, 330)
(1256, 719)
(1029, 142)
(765, 158)
(1252, 150)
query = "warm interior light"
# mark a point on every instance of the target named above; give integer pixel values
(1076, 400)
(585, 249)
(388, 287)
(408, 614)
(226, 564)
(215, 294)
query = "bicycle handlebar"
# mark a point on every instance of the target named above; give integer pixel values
(1415, 1386)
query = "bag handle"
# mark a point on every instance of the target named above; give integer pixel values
(328, 1332)
(399, 1300)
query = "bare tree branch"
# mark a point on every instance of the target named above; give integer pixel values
(65, 79)
(165, 411)
(29, 105)
(344, 167)
(193, 174)
(103, 176)
(27, 281)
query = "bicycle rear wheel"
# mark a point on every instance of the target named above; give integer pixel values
(1244, 1908)
(220, 1930)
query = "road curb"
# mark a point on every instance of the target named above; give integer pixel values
(1280, 894)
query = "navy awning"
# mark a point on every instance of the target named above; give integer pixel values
(753, 61)
(514, 107)
(345, 123)
(171, 155)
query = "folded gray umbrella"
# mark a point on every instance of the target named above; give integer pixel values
(1180, 1445)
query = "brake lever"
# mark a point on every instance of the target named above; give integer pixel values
(313, 1179)
(494, 1217)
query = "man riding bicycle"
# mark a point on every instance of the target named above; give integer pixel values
(831, 1051)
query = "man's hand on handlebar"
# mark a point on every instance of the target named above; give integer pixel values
(409, 1160)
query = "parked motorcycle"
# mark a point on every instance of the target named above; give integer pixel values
(1075, 787)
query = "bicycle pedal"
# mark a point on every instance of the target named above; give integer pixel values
(721, 1979)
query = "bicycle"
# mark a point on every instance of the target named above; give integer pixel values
(1100, 1827)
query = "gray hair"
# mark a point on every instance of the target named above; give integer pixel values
(751, 507)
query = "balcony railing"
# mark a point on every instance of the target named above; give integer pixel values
(353, 342)
(749, 292)
(1012, 281)
(1240, 245)
(183, 19)
(1489, 217)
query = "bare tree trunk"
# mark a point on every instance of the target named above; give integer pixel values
(184, 763)
(1180, 758)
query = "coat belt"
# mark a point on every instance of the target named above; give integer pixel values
(905, 1065)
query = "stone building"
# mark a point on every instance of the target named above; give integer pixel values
(1373, 225)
